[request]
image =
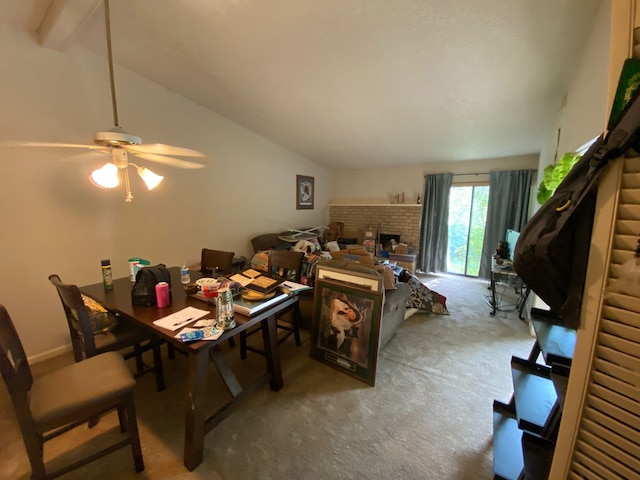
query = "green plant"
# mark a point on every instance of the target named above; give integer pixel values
(554, 174)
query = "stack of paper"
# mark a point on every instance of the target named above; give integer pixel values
(181, 318)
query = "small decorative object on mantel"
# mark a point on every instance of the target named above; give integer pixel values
(418, 201)
(304, 192)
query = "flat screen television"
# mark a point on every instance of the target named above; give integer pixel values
(511, 238)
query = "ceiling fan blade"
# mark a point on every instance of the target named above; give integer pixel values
(48, 144)
(162, 149)
(97, 155)
(172, 162)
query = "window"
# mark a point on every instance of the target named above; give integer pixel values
(467, 218)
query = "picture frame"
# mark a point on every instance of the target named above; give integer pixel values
(304, 192)
(345, 330)
(362, 280)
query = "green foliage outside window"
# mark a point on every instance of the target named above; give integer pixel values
(554, 174)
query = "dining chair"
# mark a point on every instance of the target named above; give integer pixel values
(286, 264)
(57, 402)
(125, 335)
(216, 262)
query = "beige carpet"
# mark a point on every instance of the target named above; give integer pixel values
(428, 417)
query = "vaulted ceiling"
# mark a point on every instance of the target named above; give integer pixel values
(351, 83)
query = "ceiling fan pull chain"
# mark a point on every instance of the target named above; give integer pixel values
(112, 81)
(129, 196)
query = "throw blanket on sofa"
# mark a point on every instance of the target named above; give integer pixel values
(422, 297)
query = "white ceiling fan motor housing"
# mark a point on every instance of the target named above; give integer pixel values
(116, 137)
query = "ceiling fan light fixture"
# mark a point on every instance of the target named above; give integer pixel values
(150, 179)
(105, 176)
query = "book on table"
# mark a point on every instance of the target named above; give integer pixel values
(246, 306)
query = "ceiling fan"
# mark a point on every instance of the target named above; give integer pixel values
(119, 144)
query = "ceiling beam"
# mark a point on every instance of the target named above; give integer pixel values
(63, 20)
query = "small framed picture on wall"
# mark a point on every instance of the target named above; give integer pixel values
(304, 192)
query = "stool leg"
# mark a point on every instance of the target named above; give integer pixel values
(134, 437)
(157, 364)
(296, 325)
(243, 345)
(137, 352)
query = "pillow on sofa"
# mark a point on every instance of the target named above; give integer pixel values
(422, 297)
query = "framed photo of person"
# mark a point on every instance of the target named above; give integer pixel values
(345, 331)
(304, 192)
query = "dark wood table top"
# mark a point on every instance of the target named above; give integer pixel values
(118, 299)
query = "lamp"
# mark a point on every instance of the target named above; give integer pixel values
(107, 175)
(151, 179)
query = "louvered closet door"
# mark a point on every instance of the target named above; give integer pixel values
(608, 439)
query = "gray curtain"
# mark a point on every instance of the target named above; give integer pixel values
(434, 229)
(509, 193)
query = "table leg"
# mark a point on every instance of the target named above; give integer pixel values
(522, 301)
(270, 340)
(194, 427)
(494, 303)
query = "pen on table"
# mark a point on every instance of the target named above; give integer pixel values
(183, 321)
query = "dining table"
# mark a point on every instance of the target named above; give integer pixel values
(199, 353)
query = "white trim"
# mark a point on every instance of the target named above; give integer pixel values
(41, 357)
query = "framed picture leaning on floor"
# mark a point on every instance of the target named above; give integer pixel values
(346, 328)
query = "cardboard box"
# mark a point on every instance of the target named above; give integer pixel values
(356, 253)
(408, 262)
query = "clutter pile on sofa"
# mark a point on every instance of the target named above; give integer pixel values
(407, 292)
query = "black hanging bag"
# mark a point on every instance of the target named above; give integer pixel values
(553, 248)
(143, 292)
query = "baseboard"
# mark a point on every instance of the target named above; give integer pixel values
(41, 357)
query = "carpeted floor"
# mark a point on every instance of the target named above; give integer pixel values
(428, 417)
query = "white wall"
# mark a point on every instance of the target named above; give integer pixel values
(585, 113)
(54, 221)
(357, 185)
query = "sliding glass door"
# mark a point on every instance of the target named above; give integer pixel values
(467, 218)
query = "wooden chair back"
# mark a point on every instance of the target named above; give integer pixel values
(213, 261)
(37, 428)
(286, 264)
(82, 339)
(14, 365)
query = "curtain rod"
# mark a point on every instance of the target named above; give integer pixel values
(480, 173)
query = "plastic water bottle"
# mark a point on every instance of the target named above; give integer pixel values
(185, 276)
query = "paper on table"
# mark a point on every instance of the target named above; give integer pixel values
(293, 287)
(181, 318)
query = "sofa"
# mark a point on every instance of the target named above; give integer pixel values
(395, 299)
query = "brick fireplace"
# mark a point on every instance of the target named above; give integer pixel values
(402, 219)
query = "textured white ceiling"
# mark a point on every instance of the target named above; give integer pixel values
(362, 83)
